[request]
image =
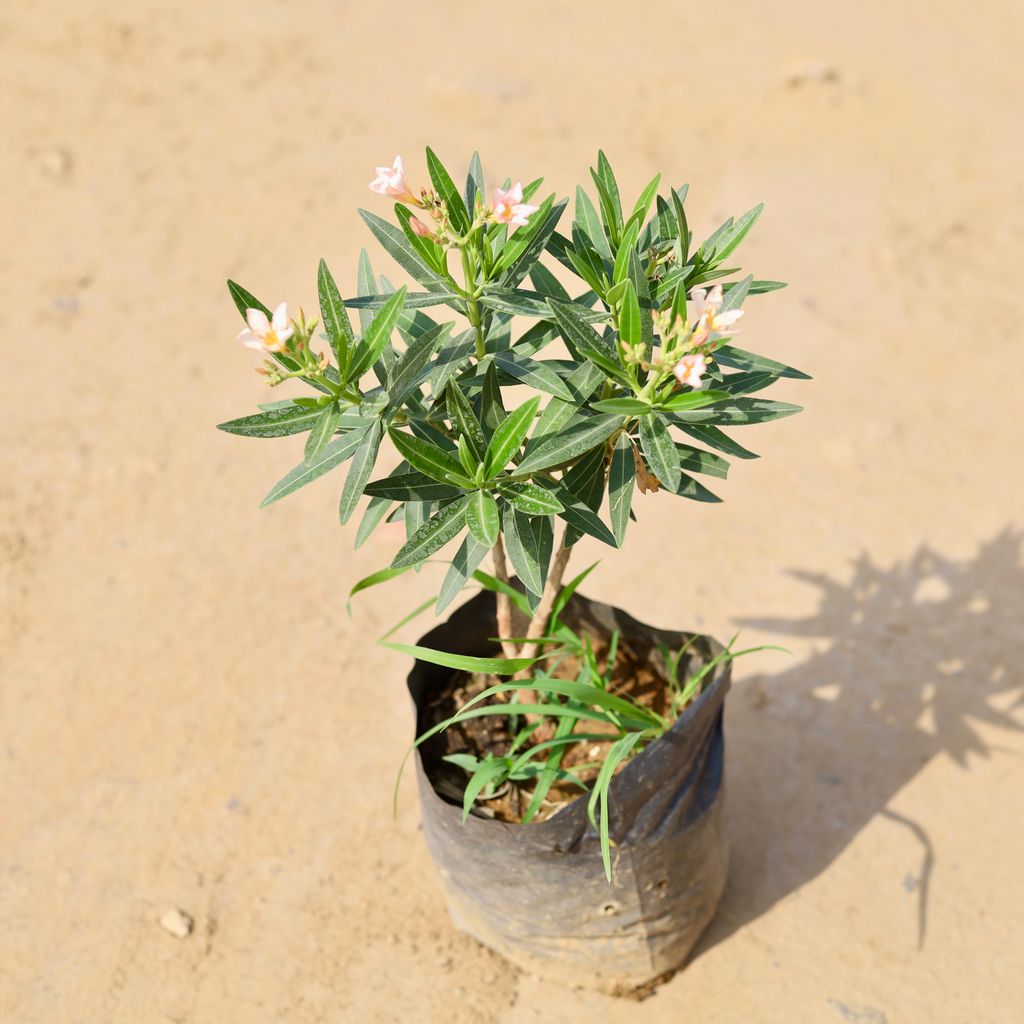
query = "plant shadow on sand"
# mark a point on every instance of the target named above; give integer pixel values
(912, 656)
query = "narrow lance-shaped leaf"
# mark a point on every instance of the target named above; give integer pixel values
(294, 419)
(482, 518)
(621, 479)
(448, 192)
(563, 447)
(359, 473)
(377, 335)
(590, 223)
(428, 458)
(334, 454)
(509, 436)
(433, 534)
(460, 412)
(336, 322)
(660, 450)
(529, 498)
(323, 430)
(521, 547)
(630, 326)
(470, 554)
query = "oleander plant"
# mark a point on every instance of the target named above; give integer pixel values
(558, 375)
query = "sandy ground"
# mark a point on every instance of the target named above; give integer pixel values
(189, 719)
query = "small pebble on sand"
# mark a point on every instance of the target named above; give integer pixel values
(177, 922)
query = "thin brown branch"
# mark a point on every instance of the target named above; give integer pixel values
(503, 602)
(552, 587)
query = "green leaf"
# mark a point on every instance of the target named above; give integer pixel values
(630, 326)
(660, 450)
(738, 359)
(433, 534)
(362, 465)
(332, 455)
(399, 248)
(323, 430)
(430, 251)
(579, 437)
(693, 400)
(377, 335)
(529, 498)
(698, 461)
(482, 518)
(470, 554)
(586, 480)
(429, 459)
(693, 489)
(585, 341)
(508, 437)
(748, 382)
(590, 224)
(643, 204)
(336, 322)
(523, 553)
(582, 382)
(474, 182)
(547, 284)
(295, 419)
(529, 247)
(730, 239)
(608, 192)
(622, 406)
(621, 478)
(448, 192)
(577, 514)
(411, 487)
(626, 247)
(373, 580)
(488, 773)
(738, 412)
(617, 753)
(499, 587)
(715, 438)
(246, 300)
(460, 412)
(408, 371)
(366, 284)
(515, 302)
(492, 666)
(535, 374)
(492, 409)
(376, 510)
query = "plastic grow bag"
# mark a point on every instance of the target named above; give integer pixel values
(537, 893)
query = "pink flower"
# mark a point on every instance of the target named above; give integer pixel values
(709, 320)
(390, 181)
(419, 228)
(690, 369)
(509, 207)
(267, 335)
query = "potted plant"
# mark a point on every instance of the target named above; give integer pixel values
(569, 757)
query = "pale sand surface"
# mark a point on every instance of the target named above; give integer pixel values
(189, 719)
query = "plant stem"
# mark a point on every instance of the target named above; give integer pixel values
(472, 306)
(539, 623)
(504, 604)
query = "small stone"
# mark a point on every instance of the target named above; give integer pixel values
(177, 922)
(55, 162)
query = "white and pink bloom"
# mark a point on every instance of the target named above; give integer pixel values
(509, 207)
(267, 335)
(390, 181)
(690, 369)
(419, 228)
(709, 320)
